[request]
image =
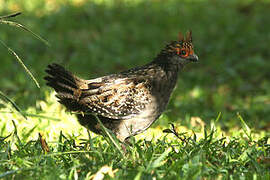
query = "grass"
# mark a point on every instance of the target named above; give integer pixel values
(220, 110)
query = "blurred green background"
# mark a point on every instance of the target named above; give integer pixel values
(99, 37)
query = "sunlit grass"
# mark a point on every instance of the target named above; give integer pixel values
(49, 6)
(50, 118)
(209, 151)
(44, 7)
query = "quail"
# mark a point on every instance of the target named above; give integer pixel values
(127, 103)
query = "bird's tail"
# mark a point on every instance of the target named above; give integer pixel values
(67, 86)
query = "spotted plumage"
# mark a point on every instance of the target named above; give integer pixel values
(127, 103)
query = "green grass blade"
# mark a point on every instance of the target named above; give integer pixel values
(218, 117)
(34, 115)
(245, 127)
(41, 116)
(14, 106)
(159, 161)
(117, 145)
(21, 62)
(7, 173)
(17, 171)
(15, 133)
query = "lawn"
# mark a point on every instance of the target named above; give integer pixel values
(216, 126)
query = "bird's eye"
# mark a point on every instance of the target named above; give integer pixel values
(183, 52)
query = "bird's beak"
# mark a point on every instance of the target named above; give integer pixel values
(193, 58)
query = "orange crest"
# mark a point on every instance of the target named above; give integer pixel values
(183, 47)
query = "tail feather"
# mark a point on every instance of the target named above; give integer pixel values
(59, 74)
(65, 84)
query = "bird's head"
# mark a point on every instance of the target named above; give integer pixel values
(181, 50)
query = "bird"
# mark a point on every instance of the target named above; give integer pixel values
(129, 102)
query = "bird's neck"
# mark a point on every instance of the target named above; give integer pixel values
(168, 63)
(165, 79)
(169, 70)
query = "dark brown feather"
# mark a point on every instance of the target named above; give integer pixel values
(127, 103)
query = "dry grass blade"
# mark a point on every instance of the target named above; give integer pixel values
(43, 143)
(11, 23)
(10, 15)
(21, 62)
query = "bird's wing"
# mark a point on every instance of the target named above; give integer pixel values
(116, 97)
